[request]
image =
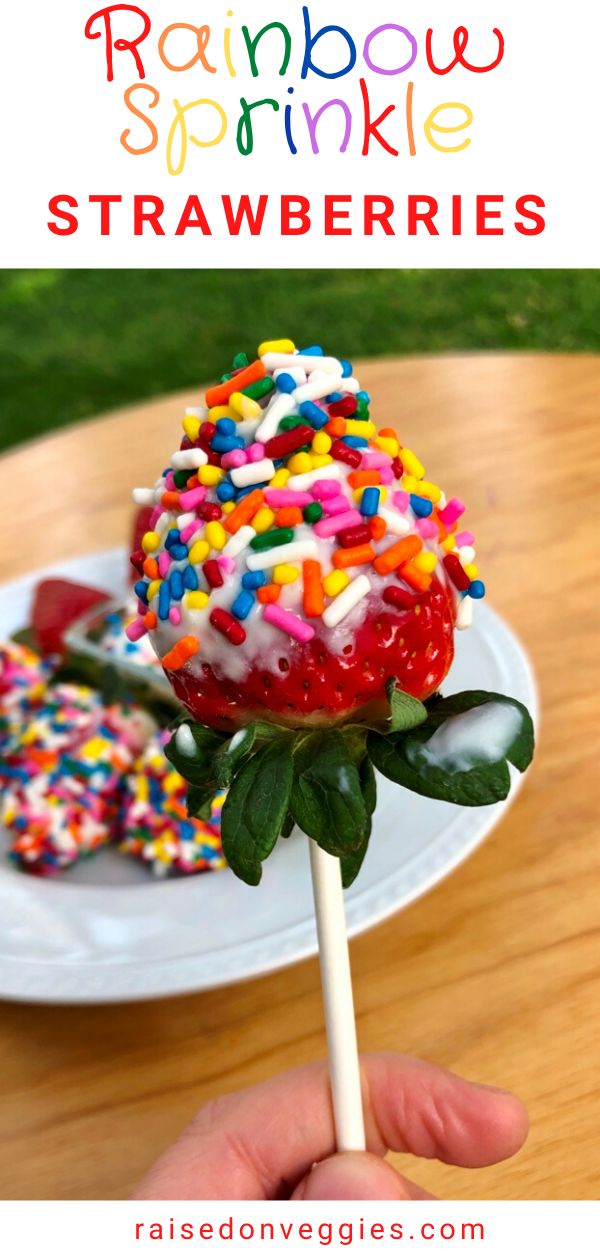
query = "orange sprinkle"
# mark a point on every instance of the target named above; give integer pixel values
(314, 600)
(399, 553)
(358, 479)
(349, 557)
(287, 517)
(170, 499)
(269, 594)
(221, 393)
(415, 577)
(151, 568)
(150, 620)
(378, 528)
(442, 531)
(388, 433)
(336, 427)
(181, 652)
(245, 510)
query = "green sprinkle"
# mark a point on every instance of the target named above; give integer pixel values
(362, 410)
(312, 513)
(240, 360)
(225, 377)
(182, 476)
(258, 389)
(290, 422)
(272, 538)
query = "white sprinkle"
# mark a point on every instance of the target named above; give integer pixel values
(281, 405)
(464, 613)
(239, 541)
(199, 412)
(297, 374)
(143, 497)
(396, 523)
(163, 524)
(186, 519)
(184, 741)
(320, 388)
(310, 362)
(192, 458)
(252, 474)
(307, 549)
(351, 385)
(466, 555)
(303, 481)
(346, 601)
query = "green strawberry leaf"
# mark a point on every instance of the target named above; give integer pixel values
(352, 862)
(448, 760)
(327, 800)
(232, 753)
(287, 825)
(197, 767)
(368, 785)
(199, 802)
(406, 712)
(256, 807)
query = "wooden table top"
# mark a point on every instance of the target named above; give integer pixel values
(493, 974)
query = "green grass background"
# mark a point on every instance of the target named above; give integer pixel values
(75, 343)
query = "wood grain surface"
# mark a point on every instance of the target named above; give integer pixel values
(493, 974)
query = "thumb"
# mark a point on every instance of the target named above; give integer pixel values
(356, 1175)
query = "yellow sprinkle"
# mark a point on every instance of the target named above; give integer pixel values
(449, 543)
(94, 748)
(209, 475)
(471, 571)
(198, 552)
(215, 535)
(195, 599)
(283, 346)
(247, 407)
(335, 582)
(263, 520)
(280, 479)
(220, 413)
(360, 428)
(411, 463)
(191, 427)
(284, 573)
(321, 444)
(172, 781)
(228, 506)
(320, 461)
(153, 589)
(390, 445)
(429, 491)
(426, 561)
(151, 541)
(300, 463)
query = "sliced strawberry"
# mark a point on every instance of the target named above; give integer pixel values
(57, 603)
(313, 686)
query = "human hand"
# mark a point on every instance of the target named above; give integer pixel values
(276, 1140)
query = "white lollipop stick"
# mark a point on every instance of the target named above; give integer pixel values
(336, 982)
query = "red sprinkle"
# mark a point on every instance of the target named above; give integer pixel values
(285, 443)
(399, 598)
(137, 559)
(397, 467)
(456, 572)
(212, 572)
(354, 536)
(209, 511)
(343, 406)
(207, 430)
(226, 624)
(347, 454)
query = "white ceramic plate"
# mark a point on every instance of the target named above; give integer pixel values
(106, 931)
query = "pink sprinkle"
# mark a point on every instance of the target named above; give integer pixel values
(254, 452)
(156, 512)
(188, 531)
(174, 616)
(135, 630)
(401, 500)
(287, 498)
(164, 563)
(226, 563)
(170, 482)
(325, 489)
(465, 538)
(334, 506)
(375, 459)
(386, 476)
(191, 498)
(234, 459)
(451, 512)
(288, 622)
(326, 529)
(426, 527)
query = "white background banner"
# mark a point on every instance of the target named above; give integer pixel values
(69, 132)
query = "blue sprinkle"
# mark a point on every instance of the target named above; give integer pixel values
(356, 442)
(244, 490)
(334, 397)
(363, 396)
(141, 590)
(222, 444)
(252, 581)
(130, 648)
(312, 350)
(164, 599)
(226, 426)
(369, 503)
(242, 605)
(173, 536)
(178, 551)
(186, 829)
(317, 417)
(285, 383)
(476, 589)
(190, 578)
(176, 582)
(346, 367)
(420, 506)
(225, 491)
